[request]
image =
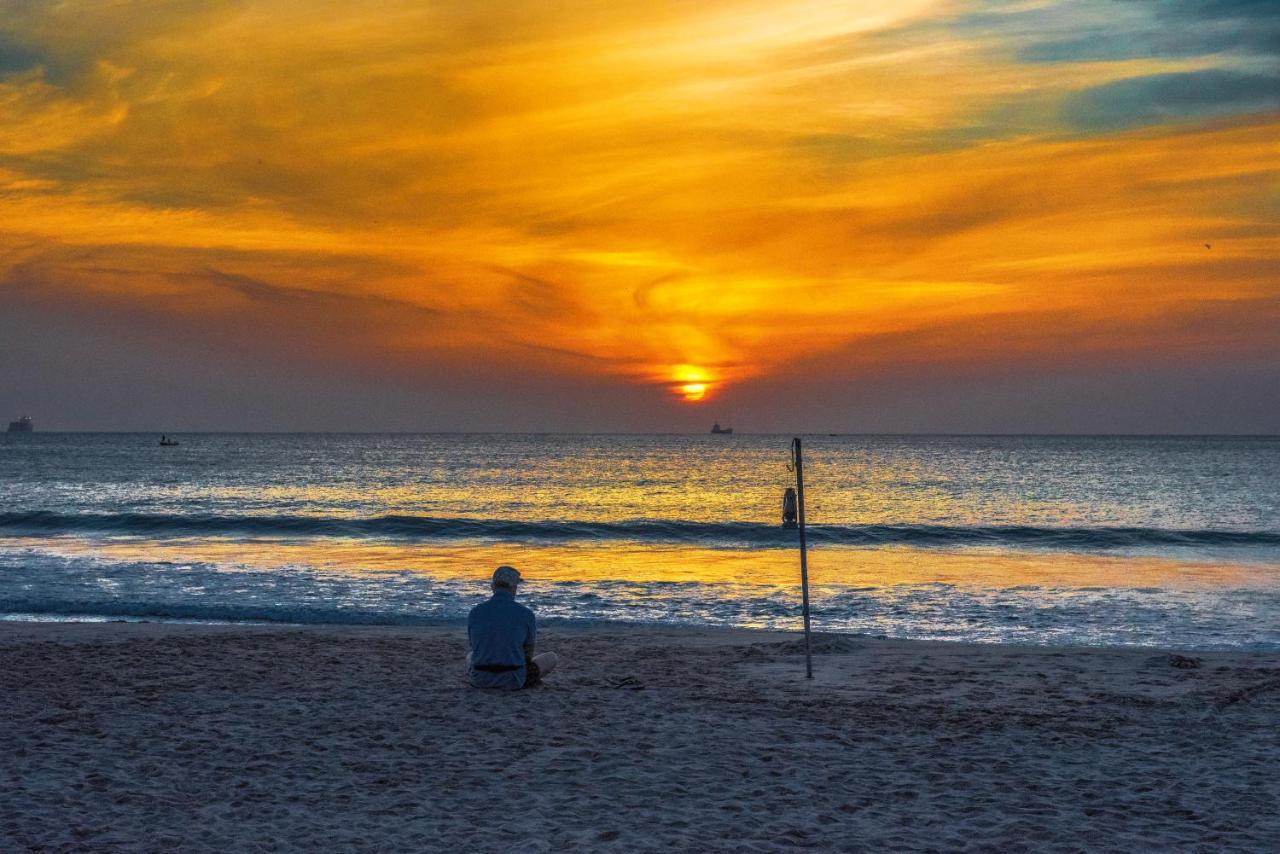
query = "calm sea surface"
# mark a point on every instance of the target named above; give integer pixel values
(1050, 540)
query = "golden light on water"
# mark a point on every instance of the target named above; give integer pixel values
(739, 571)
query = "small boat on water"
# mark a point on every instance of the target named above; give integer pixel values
(22, 425)
(166, 442)
(720, 431)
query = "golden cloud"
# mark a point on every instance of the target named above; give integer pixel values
(597, 189)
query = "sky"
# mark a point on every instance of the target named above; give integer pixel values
(922, 216)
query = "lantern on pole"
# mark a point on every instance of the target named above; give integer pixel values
(789, 511)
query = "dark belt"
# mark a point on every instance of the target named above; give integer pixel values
(496, 668)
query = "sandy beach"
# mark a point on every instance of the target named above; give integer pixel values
(149, 736)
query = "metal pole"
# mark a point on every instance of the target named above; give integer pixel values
(804, 556)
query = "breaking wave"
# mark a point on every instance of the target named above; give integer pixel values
(653, 531)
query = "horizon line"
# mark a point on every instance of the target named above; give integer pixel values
(803, 433)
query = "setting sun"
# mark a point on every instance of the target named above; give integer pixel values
(694, 391)
(690, 382)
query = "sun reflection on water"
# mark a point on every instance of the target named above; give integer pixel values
(835, 567)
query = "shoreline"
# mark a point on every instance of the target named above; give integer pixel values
(150, 735)
(9, 626)
(905, 592)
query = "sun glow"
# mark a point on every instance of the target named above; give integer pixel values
(694, 391)
(690, 382)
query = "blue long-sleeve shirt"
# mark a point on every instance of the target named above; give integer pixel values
(498, 630)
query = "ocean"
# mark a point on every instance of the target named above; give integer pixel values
(1146, 541)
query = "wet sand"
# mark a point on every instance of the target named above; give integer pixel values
(165, 737)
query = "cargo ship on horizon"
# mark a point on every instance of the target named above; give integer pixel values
(22, 425)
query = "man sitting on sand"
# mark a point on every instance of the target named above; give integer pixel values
(501, 633)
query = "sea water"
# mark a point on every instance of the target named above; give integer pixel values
(1157, 541)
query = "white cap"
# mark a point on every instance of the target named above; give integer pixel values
(507, 577)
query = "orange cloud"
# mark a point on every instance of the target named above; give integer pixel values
(691, 202)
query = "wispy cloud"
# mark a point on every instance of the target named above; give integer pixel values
(1161, 98)
(592, 187)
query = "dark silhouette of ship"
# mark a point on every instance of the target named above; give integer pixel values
(721, 431)
(22, 425)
